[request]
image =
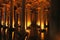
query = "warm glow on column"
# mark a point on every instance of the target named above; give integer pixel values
(13, 23)
(6, 31)
(25, 23)
(38, 23)
(28, 14)
(46, 25)
(12, 35)
(18, 22)
(7, 9)
(46, 22)
(9, 22)
(28, 19)
(42, 36)
(42, 25)
(28, 23)
(2, 22)
(6, 23)
(25, 26)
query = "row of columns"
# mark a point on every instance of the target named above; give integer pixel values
(13, 16)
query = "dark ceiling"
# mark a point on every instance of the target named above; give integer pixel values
(55, 13)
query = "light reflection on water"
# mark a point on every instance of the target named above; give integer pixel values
(42, 36)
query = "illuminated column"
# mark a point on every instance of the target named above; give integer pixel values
(12, 14)
(45, 13)
(3, 15)
(25, 19)
(33, 26)
(46, 20)
(23, 16)
(4, 19)
(19, 23)
(42, 19)
(11, 20)
(0, 22)
(0, 16)
(7, 14)
(6, 23)
(42, 22)
(39, 17)
(28, 17)
(34, 15)
(42, 26)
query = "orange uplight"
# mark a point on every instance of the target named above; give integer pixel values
(18, 22)
(42, 36)
(42, 25)
(28, 23)
(6, 23)
(25, 25)
(38, 23)
(2, 22)
(46, 22)
(25, 22)
(13, 24)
